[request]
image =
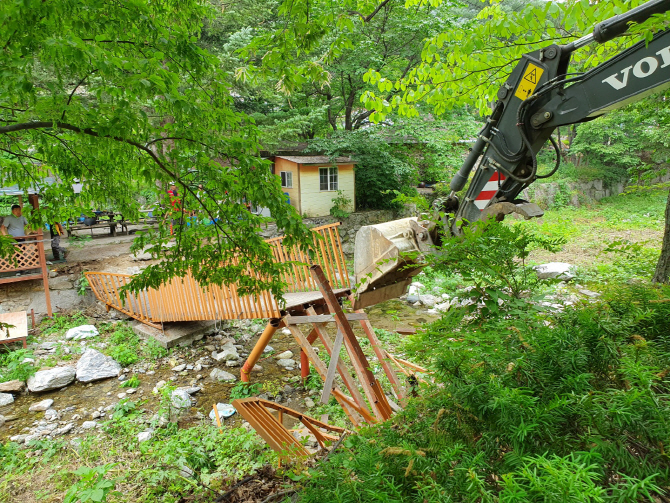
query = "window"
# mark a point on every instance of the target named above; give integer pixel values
(327, 179)
(286, 179)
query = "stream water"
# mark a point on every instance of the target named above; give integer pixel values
(78, 401)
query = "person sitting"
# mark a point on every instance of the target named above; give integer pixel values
(15, 225)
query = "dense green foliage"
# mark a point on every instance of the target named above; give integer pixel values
(120, 97)
(492, 257)
(574, 409)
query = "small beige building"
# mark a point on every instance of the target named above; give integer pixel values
(311, 182)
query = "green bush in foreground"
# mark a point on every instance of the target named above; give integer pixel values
(575, 409)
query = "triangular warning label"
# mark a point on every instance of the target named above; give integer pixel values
(531, 76)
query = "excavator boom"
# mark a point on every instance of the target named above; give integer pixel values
(538, 96)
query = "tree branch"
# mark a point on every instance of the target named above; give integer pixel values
(367, 19)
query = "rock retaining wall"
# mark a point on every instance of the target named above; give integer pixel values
(548, 195)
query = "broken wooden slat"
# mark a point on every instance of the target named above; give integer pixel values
(330, 375)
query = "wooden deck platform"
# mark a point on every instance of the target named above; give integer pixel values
(19, 332)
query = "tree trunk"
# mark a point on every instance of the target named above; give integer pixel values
(663, 267)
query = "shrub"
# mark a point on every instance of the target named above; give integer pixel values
(11, 366)
(525, 411)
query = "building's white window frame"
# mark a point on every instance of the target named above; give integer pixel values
(286, 179)
(330, 180)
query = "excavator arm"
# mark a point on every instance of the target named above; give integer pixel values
(539, 95)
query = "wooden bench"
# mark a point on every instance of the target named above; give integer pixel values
(19, 332)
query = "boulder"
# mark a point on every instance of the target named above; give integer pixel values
(6, 399)
(428, 300)
(14, 386)
(55, 378)
(286, 362)
(222, 375)
(285, 355)
(227, 354)
(554, 270)
(81, 332)
(181, 399)
(41, 406)
(93, 366)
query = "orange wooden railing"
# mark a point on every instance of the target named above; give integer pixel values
(183, 299)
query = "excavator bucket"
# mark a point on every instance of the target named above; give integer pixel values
(387, 256)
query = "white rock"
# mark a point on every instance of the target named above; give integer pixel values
(233, 363)
(589, 293)
(19, 439)
(222, 375)
(121, 396)
(96, 415)
(93, 366)
(554, 270)
(65, 429)
(191, 389)
(30, 361)
(225, 410)
(285, 331)
(285, 355)
(50, 414)
(179, 368)
(159, 385)
(227, 354)
(55, 378)
(417, 284)
(268, 349)
(6, 399)
(428, 300)
(81, 332)
(286, 362)
(87, 425)
(145, 435)
(181, 399)
(130, 391)
(309, 403)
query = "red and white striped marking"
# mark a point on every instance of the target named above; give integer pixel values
(489, 190)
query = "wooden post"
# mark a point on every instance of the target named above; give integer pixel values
(256, 353)
(370, 384)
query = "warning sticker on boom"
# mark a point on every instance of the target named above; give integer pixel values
(529, 81)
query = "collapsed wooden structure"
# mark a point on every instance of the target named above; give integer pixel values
(317, 282)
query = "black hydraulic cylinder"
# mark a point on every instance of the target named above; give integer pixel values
(617, 25)
(461, 177)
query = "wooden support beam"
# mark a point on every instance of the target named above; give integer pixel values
(370, 384)
(349, 382)
(322, 370)
(382, 356)
(322, 318)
